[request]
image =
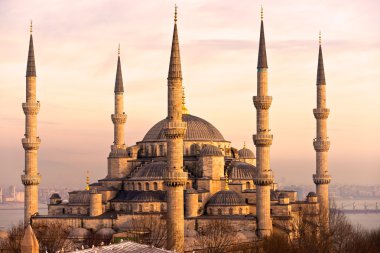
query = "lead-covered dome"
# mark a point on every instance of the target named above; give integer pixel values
(241, 171)
(150, 171)
(246, 153)
(226, 198)
(211, 150)
(198, 129)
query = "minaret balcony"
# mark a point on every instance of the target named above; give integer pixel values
(175, 178)
(321, 179)
(31, 108)
(31, 179)
(262, 102)
(321, 113)
(31, 143)
(263, 179)
(119, 118)
(174, 130)
(262, 139)
(321, 145)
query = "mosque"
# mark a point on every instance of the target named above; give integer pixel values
(183, 171)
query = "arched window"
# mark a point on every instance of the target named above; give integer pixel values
(210, 211)
(162, 208)
(240, 211)
(139, 186)
(133, 186)
(188, 185)
(140, 208)
(219, 211)
(147, 186)
(231, 211)
(155, 186)
(151, 208)
(248, 185)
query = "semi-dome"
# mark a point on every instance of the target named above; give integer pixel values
(311, 194)
(105, 232)
(246, 153)
(211, 150)
(55, 196)
(150, 171)
(197, 129)
(241, 171)
(140, 196)
(226, 198)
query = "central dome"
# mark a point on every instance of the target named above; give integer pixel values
(197, 130)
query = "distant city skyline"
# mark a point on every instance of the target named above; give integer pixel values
(76, 51)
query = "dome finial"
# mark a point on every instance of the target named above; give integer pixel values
(87, 181)
(118, 50)
(184, 109)
(262, 13)
(226, 188)
(244, 145)
(175, 13)
(31, 27)
(320, 38)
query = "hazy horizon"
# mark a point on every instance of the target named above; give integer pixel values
(76, 52)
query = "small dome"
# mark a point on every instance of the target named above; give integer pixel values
(105, 232)
(240, 170)
(211, 150)
(79, 233)
(311, 194)
(226, 198)
(150, 171)
(55, 196)
(283, 195)
(246, 153)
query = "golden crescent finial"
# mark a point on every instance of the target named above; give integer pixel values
(118, 50)
(320, 38)
(244, 145)
(87, 181)
(226, 188)
(175, 13)
(31, 26)
(262, 13)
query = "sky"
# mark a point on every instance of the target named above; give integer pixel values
(76, 44)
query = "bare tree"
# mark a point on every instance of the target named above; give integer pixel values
(53, 236)
(149, 229)
(215, 236)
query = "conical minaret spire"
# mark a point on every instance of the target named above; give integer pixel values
(262, 59)
(31, 141)
(175, 71)
(175, 178)
(31, 65)
(321, 142)
(263, 140)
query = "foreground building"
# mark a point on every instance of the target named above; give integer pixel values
(184, 172)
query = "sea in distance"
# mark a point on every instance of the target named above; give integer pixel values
(12, 214)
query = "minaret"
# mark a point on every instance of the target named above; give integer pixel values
(119, 118)
(263, 141)
(175, 178)
(117, 159)
(321, 143)
(31, 142)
